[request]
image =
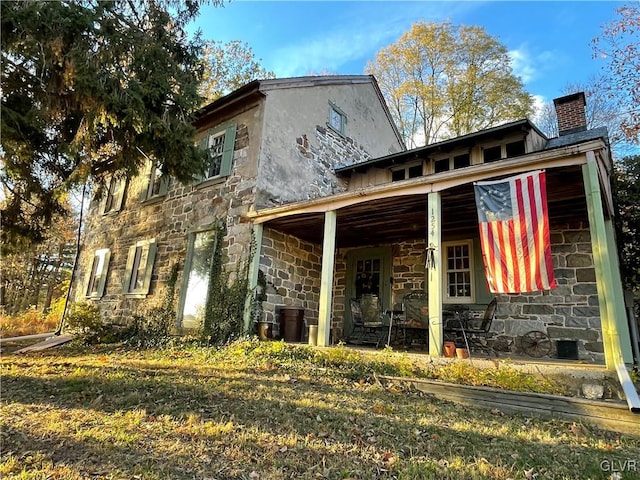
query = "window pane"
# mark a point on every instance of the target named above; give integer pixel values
(397, 175)
(515, 148)
(461, 161)
(216, 149)
(441, 165)
(491, 154)
(415, 171)
(198, 283)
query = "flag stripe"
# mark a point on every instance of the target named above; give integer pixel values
(514, 233)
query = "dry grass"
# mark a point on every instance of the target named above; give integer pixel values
(267, 411)
(30, 322)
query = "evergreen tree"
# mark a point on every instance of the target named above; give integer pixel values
(90, 89)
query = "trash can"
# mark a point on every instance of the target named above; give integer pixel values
(291, 322)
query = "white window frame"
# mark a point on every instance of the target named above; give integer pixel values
(98, 268)
(446, 298)
(140, 260)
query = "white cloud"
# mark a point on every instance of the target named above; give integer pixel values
(531, 66)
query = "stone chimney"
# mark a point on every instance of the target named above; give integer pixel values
(570, 112)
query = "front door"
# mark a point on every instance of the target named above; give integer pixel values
(368, 273)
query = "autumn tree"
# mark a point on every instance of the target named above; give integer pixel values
(228, 66)
(90, 89)
(601, 110)
(441, 81)
(619, 46)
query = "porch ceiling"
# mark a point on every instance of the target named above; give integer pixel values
(396, 219)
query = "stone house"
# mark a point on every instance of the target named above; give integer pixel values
(318, 176)
(271, 142)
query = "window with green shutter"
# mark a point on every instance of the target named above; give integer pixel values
(140, 267)
(113, 195)
(219, 144)
(158, 183)
(97, 278)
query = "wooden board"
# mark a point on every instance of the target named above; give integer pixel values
(48, 343)
(606, 415)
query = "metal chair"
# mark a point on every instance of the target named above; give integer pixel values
(416, 318)
(477, 338)
(368, 321)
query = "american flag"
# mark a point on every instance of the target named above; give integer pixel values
(514, 233)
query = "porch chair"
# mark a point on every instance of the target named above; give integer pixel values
(477, 338)
(368, 321)
(416, 318)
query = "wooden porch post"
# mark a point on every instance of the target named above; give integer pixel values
(434, 274)
(326, 278)
(610, 296)
(254, 266)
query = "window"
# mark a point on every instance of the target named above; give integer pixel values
(515, 148)
(158, 183)
(98, 274)
(337, 119)
(139, 267)
(402, 173)
(452, 162)
(491, 154)
(219, 144)
(113, 195)
(195, 288)
(458, 271)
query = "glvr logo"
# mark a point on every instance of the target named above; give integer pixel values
(619, 465)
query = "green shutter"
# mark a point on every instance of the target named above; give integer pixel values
(129, 269)
(103, 277)
(227, 152)
(148, 270)
(164, 185)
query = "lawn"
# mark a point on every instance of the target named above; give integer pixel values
(267, 410)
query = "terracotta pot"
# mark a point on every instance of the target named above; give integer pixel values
(462, 353)
(449, 349)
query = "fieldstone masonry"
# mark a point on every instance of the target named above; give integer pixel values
(168, 219)
(291, 269)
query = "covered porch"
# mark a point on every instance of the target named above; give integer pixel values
(409, 235)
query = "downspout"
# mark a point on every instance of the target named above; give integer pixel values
(633, 326)
(606, 268)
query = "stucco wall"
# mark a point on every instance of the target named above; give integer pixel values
(297, 137)
(169, 219)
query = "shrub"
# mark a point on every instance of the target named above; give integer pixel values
(84, 320)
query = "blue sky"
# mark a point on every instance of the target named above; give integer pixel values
(549, 41)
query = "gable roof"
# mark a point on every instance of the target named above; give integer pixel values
(257, 88)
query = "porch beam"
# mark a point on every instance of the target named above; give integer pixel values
(556, 158)
(609, 295)
(326, 278)
(254, 267)
(434, 274)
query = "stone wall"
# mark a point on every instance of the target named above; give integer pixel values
(168, 219)
(570, 311)
(291, 268)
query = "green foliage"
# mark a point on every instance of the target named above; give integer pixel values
(228, 66)
(153, 326)
(441, 81)
(226, 297)
(84, 97)
(84, 320)
(626, 196)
